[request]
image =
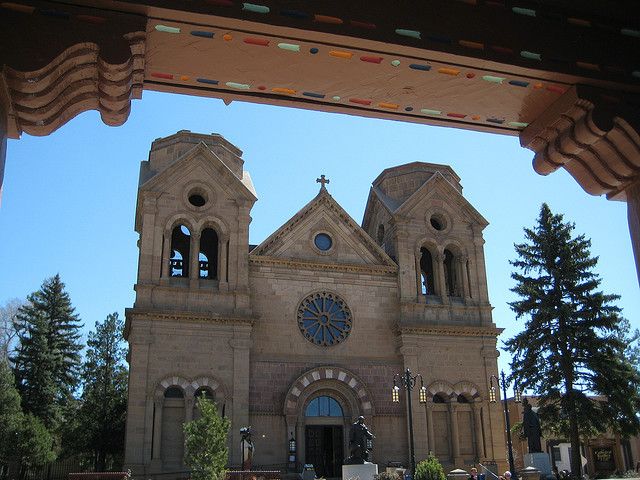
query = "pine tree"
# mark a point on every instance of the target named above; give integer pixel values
(103, 408)
(206, 442)
(47, 360)
(23, 438)
(570, 349)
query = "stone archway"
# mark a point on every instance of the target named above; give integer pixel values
(343, 387)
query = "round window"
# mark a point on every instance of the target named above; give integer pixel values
(323, 241)
(324, 319)
(438, 222)
(197, 200)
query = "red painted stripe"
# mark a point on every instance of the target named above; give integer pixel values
(456, 115)
(360, 101)
(367, 25)
(168, 76)
(91, 19)
(553, 88)
(256, 41)
(366, 58)
(499, 49)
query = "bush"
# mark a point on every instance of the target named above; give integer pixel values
(429, 469)
(206, 443)
(387, 476)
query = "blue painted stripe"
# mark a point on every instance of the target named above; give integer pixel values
(207, 80)
(202, 33)
(420, 66)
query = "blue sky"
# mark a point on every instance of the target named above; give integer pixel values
(69, 198)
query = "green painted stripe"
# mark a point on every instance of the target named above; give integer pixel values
(164, 28)
(408, 33)
(426, 111)
(289, 46)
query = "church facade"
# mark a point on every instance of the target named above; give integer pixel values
(300, 335)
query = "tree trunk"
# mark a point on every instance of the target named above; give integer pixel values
(574, 438)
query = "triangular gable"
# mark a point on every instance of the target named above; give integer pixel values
(323, 210)
(244, 188)
(428, 187)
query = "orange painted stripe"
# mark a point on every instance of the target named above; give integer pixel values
(286, 91)
(449, 71)
(340, 54)
(390, 106)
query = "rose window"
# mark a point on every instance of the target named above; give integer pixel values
(324, 319)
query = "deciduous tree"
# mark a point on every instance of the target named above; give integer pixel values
(206, 442)
(570, 349)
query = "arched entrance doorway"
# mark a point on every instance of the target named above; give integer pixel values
(324, 433)
(319, 408)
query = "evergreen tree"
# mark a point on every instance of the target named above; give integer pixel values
(571, 346)
(206, 442)
(47, 360)
(103, 408)
(23, 438)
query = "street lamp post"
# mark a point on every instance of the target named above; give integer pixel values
(517, 398)
(408, 382)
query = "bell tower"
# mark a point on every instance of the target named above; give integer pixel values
(194, 201)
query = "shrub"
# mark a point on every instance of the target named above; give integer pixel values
(206, 443)
(387, 476)
(429, 469)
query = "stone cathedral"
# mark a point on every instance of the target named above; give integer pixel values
(300, 335)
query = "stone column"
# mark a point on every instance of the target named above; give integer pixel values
(194, 258)
(241, 344)
(430, 435)
(633, 217)
(442, 287)
(462, 267)
(188, 406)
(156, 456)
(222, 263)
(477, 421)
(166, 255)
(455, 444)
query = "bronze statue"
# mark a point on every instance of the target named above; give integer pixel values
(360, 443)
(531, 427)
(247, 448)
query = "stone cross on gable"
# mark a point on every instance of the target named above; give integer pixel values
(323, 181)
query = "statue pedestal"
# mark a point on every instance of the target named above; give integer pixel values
(365, 471)
(539, 460)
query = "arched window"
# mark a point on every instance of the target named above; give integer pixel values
(450, 274)
(380, 236)
(208, 256)
(180, 248)
(205, 392)
(462, 399)
(426, 272)
(173, 392)
(438, 398)
(323, 407)
(172, 439)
